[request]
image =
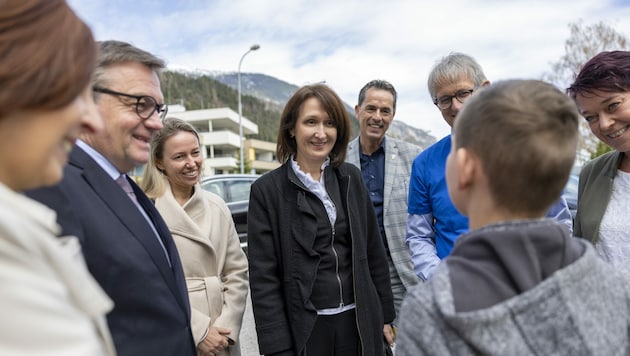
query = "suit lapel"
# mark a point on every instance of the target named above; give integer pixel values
(179, 287)
(128, 214)
(391, 168)
(354, 151)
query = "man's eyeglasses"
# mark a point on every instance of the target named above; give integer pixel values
(145, 105)
(445, 102)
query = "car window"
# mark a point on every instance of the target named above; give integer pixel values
(216, 188)
(572, 185)
(239, 190)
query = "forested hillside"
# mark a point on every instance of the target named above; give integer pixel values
(264, 105)
(203, 92)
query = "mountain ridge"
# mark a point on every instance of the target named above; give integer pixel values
(263, 98)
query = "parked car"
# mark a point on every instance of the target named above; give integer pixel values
(234, 189)
(571, 192)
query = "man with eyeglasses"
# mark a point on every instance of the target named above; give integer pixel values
(433, 222)
(126, 244)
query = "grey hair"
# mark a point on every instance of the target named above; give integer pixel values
(452, 68)
(113, 52)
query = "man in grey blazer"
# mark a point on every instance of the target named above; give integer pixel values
(385, 164)
(126, 244)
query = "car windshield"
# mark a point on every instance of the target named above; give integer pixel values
(230, 189)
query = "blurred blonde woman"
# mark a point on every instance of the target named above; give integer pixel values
(201, 224)
(50, 304)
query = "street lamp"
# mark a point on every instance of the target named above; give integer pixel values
(240, 105)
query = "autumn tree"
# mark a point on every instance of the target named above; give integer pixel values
(585, 41)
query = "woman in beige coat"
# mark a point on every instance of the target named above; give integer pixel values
(203, 230)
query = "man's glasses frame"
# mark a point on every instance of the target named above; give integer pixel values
(446, 102)
(145, 105)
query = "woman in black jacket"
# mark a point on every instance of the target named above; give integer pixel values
(318, 272)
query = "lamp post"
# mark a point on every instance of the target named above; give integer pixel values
(240, 105)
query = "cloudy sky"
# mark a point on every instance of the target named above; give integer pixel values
(348, 43)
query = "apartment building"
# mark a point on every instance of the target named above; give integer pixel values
(220, 141)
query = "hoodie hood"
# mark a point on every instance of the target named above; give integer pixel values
(563, 308)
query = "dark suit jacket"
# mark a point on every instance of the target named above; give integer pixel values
(151, 315)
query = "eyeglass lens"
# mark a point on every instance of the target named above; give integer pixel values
(447, 101)
(146, 105)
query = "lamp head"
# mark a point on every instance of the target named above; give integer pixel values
(254, 47)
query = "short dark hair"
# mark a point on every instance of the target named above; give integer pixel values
(525, 134)
(607, 71)
(335, 109)
(378, 84)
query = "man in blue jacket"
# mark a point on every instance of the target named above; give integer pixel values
(433, 223)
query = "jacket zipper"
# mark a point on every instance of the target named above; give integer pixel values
(334, 251)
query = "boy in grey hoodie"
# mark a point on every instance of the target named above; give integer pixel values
(517, 283)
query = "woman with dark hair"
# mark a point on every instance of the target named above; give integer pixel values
(214, 264)
(49, 302)
(318, 272)
(602, 93)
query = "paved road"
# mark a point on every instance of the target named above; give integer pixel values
(249, 342)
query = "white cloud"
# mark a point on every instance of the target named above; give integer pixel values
(348, 43)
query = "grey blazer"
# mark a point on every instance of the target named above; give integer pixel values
(398, 158)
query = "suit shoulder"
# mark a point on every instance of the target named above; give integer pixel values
(406, 149)
(440, 148)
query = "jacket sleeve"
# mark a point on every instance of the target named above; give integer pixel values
(266, 278)
(420, 238)
(421, 242)
(377, 258)
(560, 211)
(234, 279)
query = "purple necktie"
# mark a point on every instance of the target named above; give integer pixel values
(124, 184)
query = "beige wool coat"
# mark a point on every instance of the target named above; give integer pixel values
(214, 264)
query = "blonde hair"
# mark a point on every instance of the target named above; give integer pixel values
(154, 182)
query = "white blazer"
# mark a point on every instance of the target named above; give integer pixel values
(50, 304)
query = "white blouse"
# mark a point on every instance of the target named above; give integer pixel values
(614, 230)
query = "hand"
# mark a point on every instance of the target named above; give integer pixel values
(390, 337)
(215, 341)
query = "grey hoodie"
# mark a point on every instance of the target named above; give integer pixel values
(580, 308)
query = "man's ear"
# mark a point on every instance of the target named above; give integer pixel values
(356, 110)
(466, 168)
